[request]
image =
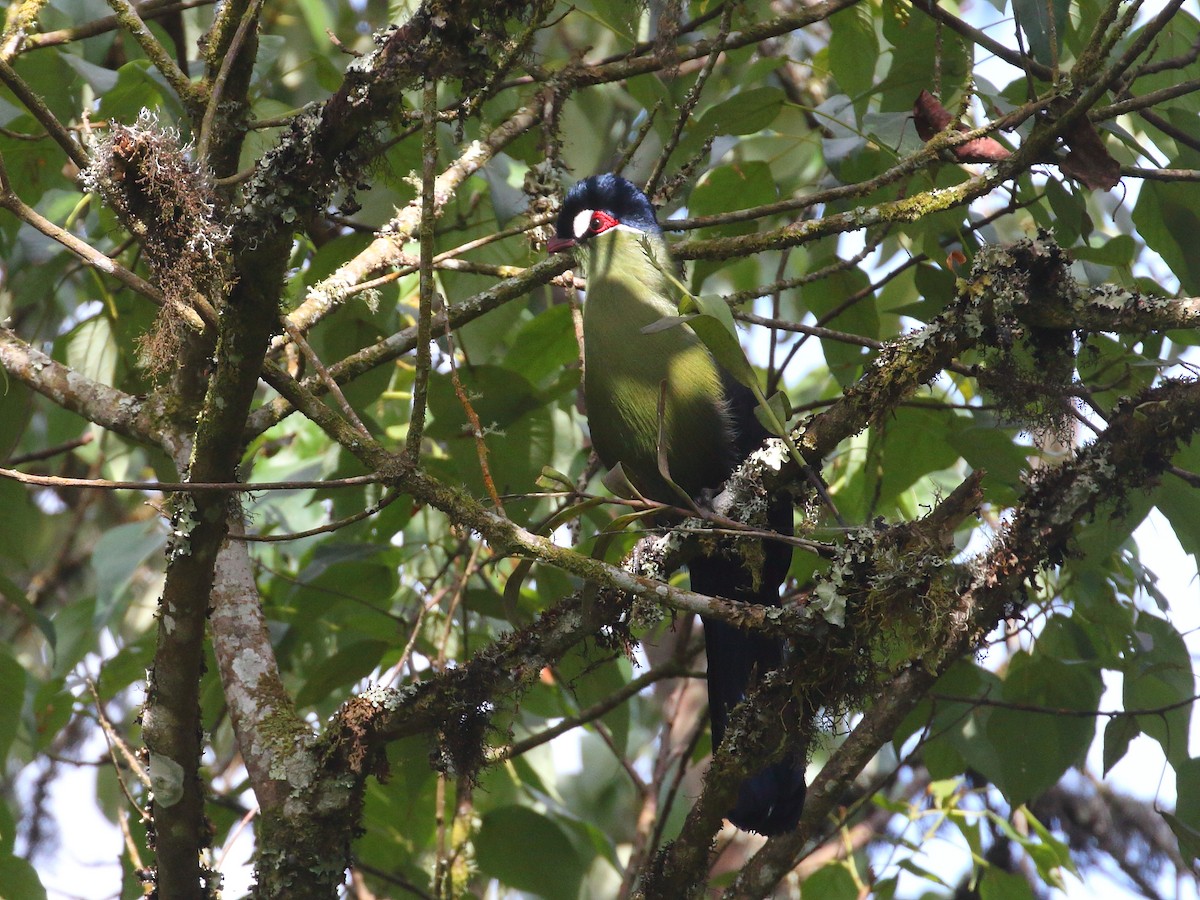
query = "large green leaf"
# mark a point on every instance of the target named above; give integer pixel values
(528, 851)
(733, 187)
(1182, 507)
(917, 40)
(1035, 747)
(544, 345)
(955, 723)
(746, 112)
(90, 350)
(839, 302)
(519, 429)
(853, 50)
(139, 86)
(1035, 18)
(340, 670)
(1166, 218)
(399, 812)
(118, 557)
(1159, 680)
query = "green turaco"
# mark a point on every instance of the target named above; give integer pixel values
(707, 427)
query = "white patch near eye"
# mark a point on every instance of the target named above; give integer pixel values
(583, 221)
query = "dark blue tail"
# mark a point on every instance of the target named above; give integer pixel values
(769, 801)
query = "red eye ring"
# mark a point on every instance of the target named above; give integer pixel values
(600, 222)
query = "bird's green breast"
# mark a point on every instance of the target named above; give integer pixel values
(624, 368)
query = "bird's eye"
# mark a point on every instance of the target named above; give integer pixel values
(597, 223)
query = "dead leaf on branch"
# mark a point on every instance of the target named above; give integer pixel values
(931, 118)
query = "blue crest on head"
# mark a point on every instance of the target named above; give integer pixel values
(612, 194)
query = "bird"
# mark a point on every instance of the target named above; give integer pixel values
(706, 427)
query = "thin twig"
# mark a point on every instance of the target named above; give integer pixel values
(116, 744)
(670, 669)
(416, 422)
(323, 373)
(684, 112)
(184, 487)
(328, 528)
(249, 19)
(477, 433)
(85, 251)
(151, 9)
(51, 452)
(187, 91)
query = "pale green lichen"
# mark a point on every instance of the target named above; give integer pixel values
(166, 780)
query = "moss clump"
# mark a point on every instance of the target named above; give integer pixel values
(167, 202)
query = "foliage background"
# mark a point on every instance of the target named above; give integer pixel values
(782, 136)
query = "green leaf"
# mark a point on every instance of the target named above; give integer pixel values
(832, 881)
(853, 50)
(99, 78)
(519, 425)
(399, 812)
(19, 879)
(118, 557)
(1159, 674)
(1175, 40)
(904, 450)
(139, 86)
(744, 113)
(622, 18)
(1034, 749)
(1186, 821)
(75, 626)
(827, 299)
(1117, 251)
(338, 672)
(1165, 216)
(1118, 733)
(8, 827)
(12, 698)
(780, 410)
(957, 726)
(743, 185)
(1182, 508)
(1187, 836)
(91, 350)
(916, 41)
(1034, 18)
(592, 678)
(916, 447)
(715, 327)
(991, 447)
(997, 884)
(13, 594)
(544, 346)
(316, 17)
(528, 851)
(1070, 213)
(45, 70)
(1112, 369)
(1049, 854)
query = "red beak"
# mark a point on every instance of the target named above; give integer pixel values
(559, 245)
